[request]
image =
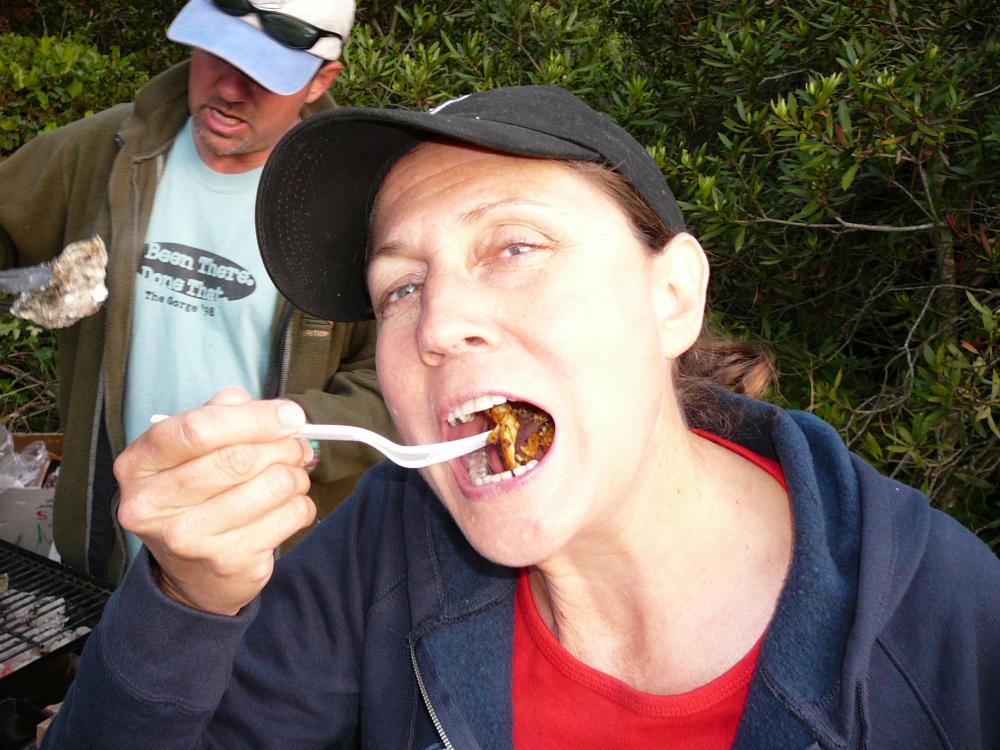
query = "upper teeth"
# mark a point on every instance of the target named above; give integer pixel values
(464, 412)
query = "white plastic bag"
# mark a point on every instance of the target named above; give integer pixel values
(10, 464)
(24, 469)
(34, 460)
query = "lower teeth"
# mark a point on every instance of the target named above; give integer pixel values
(479, 470)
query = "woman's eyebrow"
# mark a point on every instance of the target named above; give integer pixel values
(396, 247)
(476, 213)
(387, 249)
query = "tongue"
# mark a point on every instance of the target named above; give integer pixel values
(494, 460)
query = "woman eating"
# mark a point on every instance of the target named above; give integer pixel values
(642, 556)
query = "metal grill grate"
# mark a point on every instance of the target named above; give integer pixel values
(44, 607)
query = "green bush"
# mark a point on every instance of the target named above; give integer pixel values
(136, 27)
(838, 160)
(28, 377)
(48, 82)
(848, 185)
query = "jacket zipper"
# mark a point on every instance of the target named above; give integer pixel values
(286, 355)
(92, 467)
(279, 360)
(427, 699)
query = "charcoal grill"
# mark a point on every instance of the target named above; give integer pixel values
(46, 612)
(45, 607)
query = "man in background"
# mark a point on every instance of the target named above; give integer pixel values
(168, 182)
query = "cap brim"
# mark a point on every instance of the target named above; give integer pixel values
(318, 185)
(274, 66)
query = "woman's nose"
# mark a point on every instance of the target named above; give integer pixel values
(456, 317)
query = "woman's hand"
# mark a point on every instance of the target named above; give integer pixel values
(212, 491)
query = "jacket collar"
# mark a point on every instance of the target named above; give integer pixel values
(159, 111)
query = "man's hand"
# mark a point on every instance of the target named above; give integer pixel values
(212, 491)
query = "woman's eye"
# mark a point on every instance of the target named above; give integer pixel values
(404, 291)
(516, 248)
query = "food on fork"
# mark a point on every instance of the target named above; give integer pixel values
(509, 421)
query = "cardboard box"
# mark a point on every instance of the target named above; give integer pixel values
(26, 518)
(53, 441)
(26, 513)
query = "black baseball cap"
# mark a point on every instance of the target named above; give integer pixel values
(318, 186)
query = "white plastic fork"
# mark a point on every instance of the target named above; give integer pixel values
(408, 456)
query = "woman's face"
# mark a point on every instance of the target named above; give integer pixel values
(500, 278)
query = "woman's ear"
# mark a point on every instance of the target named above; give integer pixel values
(680, 274)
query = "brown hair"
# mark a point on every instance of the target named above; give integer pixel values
(713, 360)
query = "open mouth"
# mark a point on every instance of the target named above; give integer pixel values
(522, 433)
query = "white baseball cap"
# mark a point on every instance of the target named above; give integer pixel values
(256, 36)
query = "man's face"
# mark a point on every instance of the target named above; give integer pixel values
(236, 120)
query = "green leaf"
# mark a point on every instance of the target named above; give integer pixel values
(847, 178)
(844, 118)
(741, 235)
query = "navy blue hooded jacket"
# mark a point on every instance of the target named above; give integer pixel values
(385, 629)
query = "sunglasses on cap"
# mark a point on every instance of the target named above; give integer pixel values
(285, 29)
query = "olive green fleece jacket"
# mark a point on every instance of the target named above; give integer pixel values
(98, 176)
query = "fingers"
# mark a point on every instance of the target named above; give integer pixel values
(219, 493)
(206, 476)
(223, 573)
(228, 419)
(212, 491)
(231, 396)
(225, 548)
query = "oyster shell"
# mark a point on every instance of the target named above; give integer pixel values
(76, 290)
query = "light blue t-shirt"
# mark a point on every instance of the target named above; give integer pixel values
(204, 305)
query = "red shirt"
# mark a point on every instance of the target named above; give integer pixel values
(560, 702)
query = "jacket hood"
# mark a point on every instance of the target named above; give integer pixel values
(851, 566)
(159, 111)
